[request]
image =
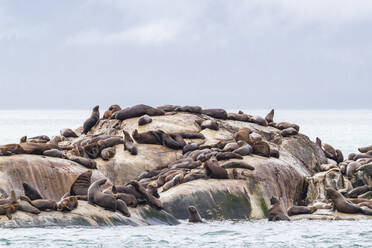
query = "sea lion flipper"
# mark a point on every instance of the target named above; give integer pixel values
(81, 184)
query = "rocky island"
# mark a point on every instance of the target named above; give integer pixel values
(143, 165)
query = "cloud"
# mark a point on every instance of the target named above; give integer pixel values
(153, 33)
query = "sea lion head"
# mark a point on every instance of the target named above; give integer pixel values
(96, 108)
(331, 193)
(274, 200)
(192, 210)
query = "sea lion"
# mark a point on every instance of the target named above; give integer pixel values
(172, 141)
(190, 109)
(210, 124)
(37, 148)
(365, 149)
(67, 203)
(342, 205)
(362, 155)
(53, 153)
(150, 137)
(194, 175)
(92, 120)
(110, 142)
(215, 113)
(351, 168)
(285, 125)
(110, 111)
(86, 162)
(288, 132)
(152, 200)
(295, 210)
(129, 199)
(168, 108)
(25, 206)
(243, 134)
(259, 120)
(228, 155)
(149, 174)
(137, 111)
(237, 164)
(238, 117)
(122, 207)
(229, 147)
(339, 156)
(270, 116)
(92, 150)
(31, 192)
(108, 153)
(7, 209)
(68, 133)
(354, 193)
(194, 216)
(190, 147)
(40, 137)
(351, 156)
(143, 120)
(23, 139)
(44, 204)
(191, 135)
(175, 181)
(214, 170)
(10, 149)
(254, 138)
(244, 150)
(96, 196)
(81, 184)
(277, 212)
(261, 148)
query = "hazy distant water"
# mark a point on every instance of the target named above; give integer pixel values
(346, 130)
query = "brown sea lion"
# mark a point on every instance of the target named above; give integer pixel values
(175, 181)
(288, 132)
(228, 155)
(129, 144)
(351, 156)
(122, 207)
(129, 199)
(194, 216)
(143, 120)
(194, 175)
(244, 150)
(67, 204)
(342, 205)
(37, 148)
(44, 204)
(81, 184)
(26, 206)
(238, 117)
(150, 137)
(110, 142)
(215, 113)
(68, 133)
(171, 141)
(149, 174)
(190, 147)
(210, 124)
(191, 135)
(285, 125)
(168, 108)
(254, 138)
(354, 193)
(96, 196)
(237, 165)
(190, 109)
(86, 162)
(31, 192)
(23, 139)
(270, 116)
(339, 156)
(110, 111)
(362, 155)
(108, 153)
(276, 211)
(92, 150)
(214, 170)
(152, 200)
(92, 120)
(137, 111)
(229, 147)
(365, 149)
(7, 209)
(243, 134)
(53, 153)
(295, 210)
(261, 148)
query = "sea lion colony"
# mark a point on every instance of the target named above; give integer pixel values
(198, 161)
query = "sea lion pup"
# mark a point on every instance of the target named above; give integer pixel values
(31, 192)
(53, 153)
(227, 155)
(210, 124)
(111, 110)
(190, 147)
(143, 120)
(237, 165)
(214, 170)
(150, 137)
(129, 144)
(152, 200)
(365, 149)
(270, 116)
(86, 162)
(168, 108)
(215, 113)
(277, 212)
(108, 153)
(11, 149)
(137, 111)
(81, 184)
(194, 216)
(7, 209)
(68, 203)
(295, 210)
(92, 120)
(68, 133)
(259, 120)
(261, 148)
(354, 193)
(288, 132)
(190, 109)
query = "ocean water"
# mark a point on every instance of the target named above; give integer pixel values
(346, 130)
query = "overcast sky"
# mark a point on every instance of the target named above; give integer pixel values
(222, 53)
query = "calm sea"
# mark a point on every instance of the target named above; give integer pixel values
(346, 130)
